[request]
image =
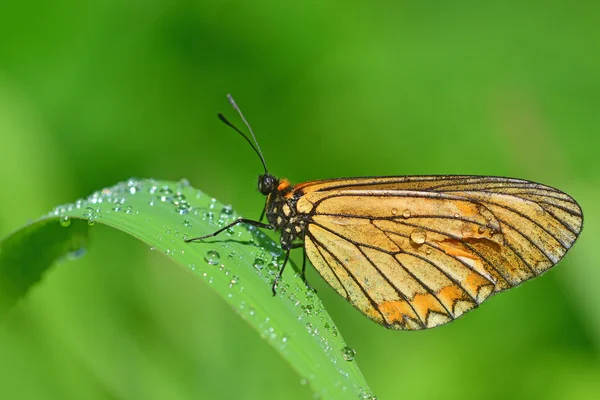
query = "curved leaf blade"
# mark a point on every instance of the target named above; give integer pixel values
(239, 265)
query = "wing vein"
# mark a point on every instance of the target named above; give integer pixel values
(398, 291)
(459, 239)
(362, 289)
(318, 247)
(357, 245)
(434, 265)
(565, 209)
(528, 218)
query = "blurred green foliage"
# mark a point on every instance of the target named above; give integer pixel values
(95, 92)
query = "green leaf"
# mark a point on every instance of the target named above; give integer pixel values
(239, 265)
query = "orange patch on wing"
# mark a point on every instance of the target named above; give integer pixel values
(454, 248)
(449, 295)
(425, 303)
(283, 184)
(478, 287)
(466, 209)
(395, 311)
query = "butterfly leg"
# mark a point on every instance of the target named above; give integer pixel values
(234, 223)
(262, 215)
(287, 256)
(274, 287)
(308, 285)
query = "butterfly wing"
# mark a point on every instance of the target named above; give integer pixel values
(418, 252)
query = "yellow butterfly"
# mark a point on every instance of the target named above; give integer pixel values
(415, 252)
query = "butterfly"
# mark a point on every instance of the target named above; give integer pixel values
(416, 252)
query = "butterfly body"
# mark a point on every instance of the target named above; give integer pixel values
(416, 252)
(282, 213)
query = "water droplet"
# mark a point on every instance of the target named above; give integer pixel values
(165, 194)
(406, 213)
(481, 229)
(187, 223)
(89, 212)
(178, 198)
(259, 263)
(394, 211)
(273, 266)
(418, 236)
(128, 210)
(309, 328)
(134, 186)
(227, 210)
(91, 222)
(183, 207)
(428, 251)
(65, 221)
(348, 353)
(212, 257)
(183, 182)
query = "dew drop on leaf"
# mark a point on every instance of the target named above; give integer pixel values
(165, 194)
(349, 353)
(183, 207)
(178, 198)
(259, 263)
(212, 257)
(227, 210)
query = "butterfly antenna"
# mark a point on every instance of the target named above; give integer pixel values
(257, 148)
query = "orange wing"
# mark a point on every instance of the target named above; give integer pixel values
(418, 252)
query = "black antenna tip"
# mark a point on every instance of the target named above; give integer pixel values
(226, 122)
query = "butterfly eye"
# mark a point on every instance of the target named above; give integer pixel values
(267, 183)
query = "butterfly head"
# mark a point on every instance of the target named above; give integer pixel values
(267, 184)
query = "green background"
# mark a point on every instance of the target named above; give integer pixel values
(96, 92)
